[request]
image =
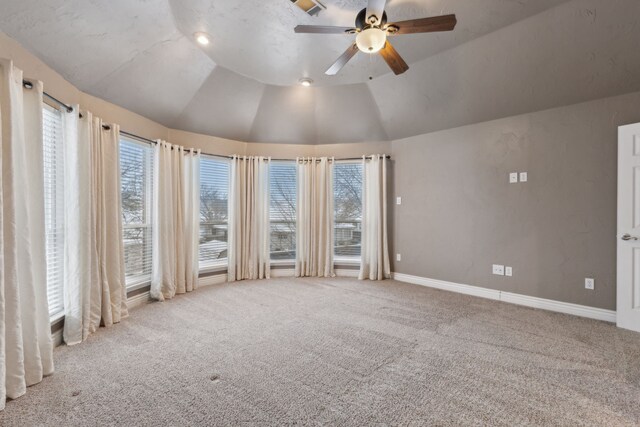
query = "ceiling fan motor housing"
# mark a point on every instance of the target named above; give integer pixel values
(361, 20)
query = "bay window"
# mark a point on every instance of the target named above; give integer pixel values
(53, 162)
(214, 212)
(347, 190)
(136, 175)
(282, 188)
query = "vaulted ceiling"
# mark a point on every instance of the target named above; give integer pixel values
(504, 57)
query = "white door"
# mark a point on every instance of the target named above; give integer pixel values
(628, 289)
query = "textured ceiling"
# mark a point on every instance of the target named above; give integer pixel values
(255, 38)
(504, 57)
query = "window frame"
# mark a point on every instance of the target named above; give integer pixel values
(219, 264)
(59, 215)
(284, 261)
(138, 281)
(342, 259)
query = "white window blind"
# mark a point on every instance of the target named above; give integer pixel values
(282, 186)
(136, 171)
(53, 156)
(347, 189)
(214, 211)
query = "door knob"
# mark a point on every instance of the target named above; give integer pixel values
(628, 237)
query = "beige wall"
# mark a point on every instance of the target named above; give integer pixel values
(56, 85)
(215, 145)
(459, 215)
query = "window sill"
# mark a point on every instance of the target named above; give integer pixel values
(278, 262)
(138, 285)
(213, 268)
(53, 319)
(346, 261)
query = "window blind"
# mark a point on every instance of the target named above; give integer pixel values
(347, 189)
(53, 158)
(136, 171)
(282, 186)
(214, 213)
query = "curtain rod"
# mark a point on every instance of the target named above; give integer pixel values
(27, 84)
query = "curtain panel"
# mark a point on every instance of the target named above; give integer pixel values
(375, 249)
(314, 234)
(176, 220)
(249, 256)
(26, 350)
(94, 270)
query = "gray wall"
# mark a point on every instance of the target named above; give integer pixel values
(459, 214)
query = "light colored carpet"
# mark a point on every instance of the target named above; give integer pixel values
(340, 352)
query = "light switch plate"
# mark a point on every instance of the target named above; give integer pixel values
(513, 177)
(398, 257)
(498, 269)
(589, 283)
(398, 200)
(508, 271)
(523, 177)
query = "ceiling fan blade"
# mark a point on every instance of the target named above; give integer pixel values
(393, 59)
(322, 29)
(425, 25)
(375, 7)
(342, 61)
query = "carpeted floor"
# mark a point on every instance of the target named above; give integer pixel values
(340, 352)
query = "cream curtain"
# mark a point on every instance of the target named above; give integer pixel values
(176, 223)
(26, 351)
(249, 219)
(94, 270)
(375, 250)
(314, 234)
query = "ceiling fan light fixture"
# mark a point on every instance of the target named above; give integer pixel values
(371, 40)
(306, 81)
(202, 38)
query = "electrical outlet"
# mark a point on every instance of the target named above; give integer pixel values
(523, 177)
(508, 271)
(398, 257)
(589, 283)
(498, 269)
(513, 177)
(398, 200)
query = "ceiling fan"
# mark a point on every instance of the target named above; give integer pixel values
(372, 30)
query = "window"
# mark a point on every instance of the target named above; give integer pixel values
(53, 157)
(214, 211)
(347, 190)
(136, 172)
(282, 186)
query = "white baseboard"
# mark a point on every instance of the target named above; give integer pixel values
(216, 279)
(138, 300)
(509, 297)
(290, 272)
(282, 272)
(56, 337)
(343, 272)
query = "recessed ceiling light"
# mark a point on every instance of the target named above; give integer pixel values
(305, 81)
(202, 38)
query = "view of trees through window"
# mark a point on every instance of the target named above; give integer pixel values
(347, 190)
(136, 177)
(136, 174)
(282, 188)
(214, 211)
